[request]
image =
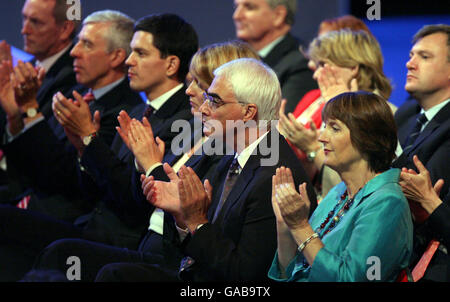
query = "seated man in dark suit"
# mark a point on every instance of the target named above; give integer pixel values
(227, 224)
(48, 36)
(266, 25)
(423, 130)
(102, 69)
(49, 160)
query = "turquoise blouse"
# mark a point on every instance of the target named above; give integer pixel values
(377, 224)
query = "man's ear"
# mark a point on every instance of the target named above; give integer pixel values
(67, 29)
(118, 57)
(251, 112)
(280, 15)
(173, 64)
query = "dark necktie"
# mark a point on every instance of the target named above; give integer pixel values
(89, 97)
(148, 111)
(421, 119)
(230, 180)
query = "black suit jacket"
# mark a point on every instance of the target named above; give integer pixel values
(432, 146)
(241, 243)
(292, 70)
(49, 163)
(60, 77)
(122, 216)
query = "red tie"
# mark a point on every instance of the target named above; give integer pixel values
(89, 96)
(23, 203)
(421, 266)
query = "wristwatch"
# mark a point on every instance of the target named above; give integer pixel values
(30, 113)
(87, 139)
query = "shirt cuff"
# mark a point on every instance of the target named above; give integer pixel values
(153, 167)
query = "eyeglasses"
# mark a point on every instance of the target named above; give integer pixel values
(215, 102)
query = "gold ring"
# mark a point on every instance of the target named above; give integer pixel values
(58, 112)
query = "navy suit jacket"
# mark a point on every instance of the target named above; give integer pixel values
(432, 146)
(292, 70)
(60, 77)
(122, 216)
(49, 163)
(240, 244)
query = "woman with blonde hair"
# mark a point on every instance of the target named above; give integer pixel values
(345, 61)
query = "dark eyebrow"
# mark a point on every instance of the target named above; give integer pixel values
(214, 95)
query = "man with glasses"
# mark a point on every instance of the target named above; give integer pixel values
(226, 225)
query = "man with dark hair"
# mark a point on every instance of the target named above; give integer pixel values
(266, 25)
(51, 161)
(235, 238)
(423, 130)
(119, 217)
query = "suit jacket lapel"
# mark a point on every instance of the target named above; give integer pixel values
(279, 51)
(432, 125)
(53, 74)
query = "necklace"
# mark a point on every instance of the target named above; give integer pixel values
(338, 216)
(335, 220)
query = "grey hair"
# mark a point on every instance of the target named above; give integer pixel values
(291, 7)
(253, 82)
(120, 33)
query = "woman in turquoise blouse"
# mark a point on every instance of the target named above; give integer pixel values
(362, 230)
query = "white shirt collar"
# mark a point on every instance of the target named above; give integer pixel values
(48, 62)
(268, 48)
(245, 154)
(430, 113)
(159, 101)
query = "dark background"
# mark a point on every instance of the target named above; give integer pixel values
(400, 19)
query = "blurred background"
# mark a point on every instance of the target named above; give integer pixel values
(399, 20)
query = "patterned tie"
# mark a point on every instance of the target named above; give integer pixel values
(89, 97)
(421, 119)
(230, 180)
(23, 203)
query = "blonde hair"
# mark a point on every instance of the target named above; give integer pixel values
(349, 49)
(210, 57)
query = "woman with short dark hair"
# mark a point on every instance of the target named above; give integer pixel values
(362, 229)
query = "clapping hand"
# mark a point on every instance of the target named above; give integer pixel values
(333, 82)
(147, 150)
(303, 138)
(419, 190)
(289, 205)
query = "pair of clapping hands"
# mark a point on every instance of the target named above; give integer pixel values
(332, 82)
(292, 208)
(18, 87)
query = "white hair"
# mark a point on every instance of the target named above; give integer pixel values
(253, 82)
(120, 33)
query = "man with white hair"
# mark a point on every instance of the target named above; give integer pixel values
(226, 225)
